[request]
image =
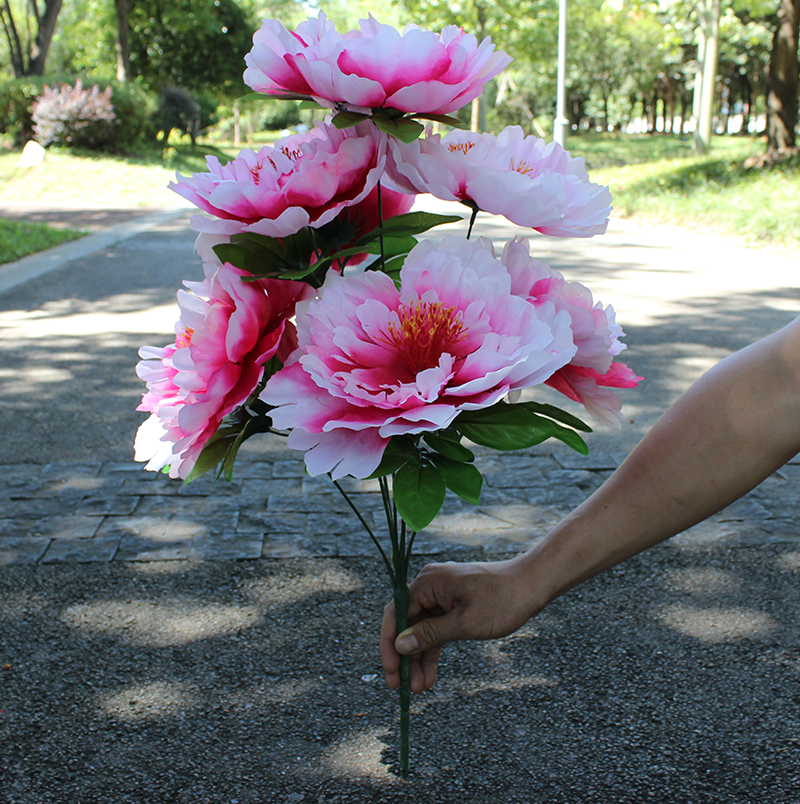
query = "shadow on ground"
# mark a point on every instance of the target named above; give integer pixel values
(671, 679)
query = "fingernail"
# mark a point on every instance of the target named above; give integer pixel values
(407, 643)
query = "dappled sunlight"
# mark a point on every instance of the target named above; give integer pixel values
(17, 325)
(716, 624)
(272, 693)
(147, 702)
(281, 592)
(790, 561)
(699, 580)
(359, 754)
(159, 625)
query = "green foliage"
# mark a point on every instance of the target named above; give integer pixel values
(191, 44)
(16, 101)
(19, 239)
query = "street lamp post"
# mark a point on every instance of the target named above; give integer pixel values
(561, 122)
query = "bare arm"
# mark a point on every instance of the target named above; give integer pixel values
(731, 430)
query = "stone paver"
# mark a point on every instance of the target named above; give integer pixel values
(101, 512)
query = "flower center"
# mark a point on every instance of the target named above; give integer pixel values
(521, 167)
(255, 172)
(184, 338)
(425, 330)
(464, 147)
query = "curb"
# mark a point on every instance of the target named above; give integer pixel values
(17, 273)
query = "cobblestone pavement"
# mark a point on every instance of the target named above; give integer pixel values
(101, 512)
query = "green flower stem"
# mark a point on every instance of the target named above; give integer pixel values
(380, 224)
(472, 221)
(401, 622)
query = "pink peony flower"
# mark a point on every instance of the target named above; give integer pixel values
(302, 180)
(413, 71)
(591, 371)
(227, 331)
(374, 361)
(530, 183)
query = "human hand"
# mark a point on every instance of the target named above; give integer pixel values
(449, 602)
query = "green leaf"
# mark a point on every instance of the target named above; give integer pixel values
(310, 104)
(505, 427)
(213, 452)
(443, 118)
(348, 119)
(418, 491)
(461, 478)
(394, 456)
(411, 223)
(404, 128)
(552, 412)
(449, 447)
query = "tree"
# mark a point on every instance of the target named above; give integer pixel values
(196, 44)
(123, 8)
(28, 55)
(783, 79)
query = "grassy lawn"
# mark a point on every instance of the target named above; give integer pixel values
(654, 178)
(131, 181)
(17, 239)
(712, 193)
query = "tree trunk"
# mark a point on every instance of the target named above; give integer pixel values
(44, 36)
(14, 45)
(123, 49)
(783, 79)
(702, 133)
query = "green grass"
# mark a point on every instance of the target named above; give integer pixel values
(18, 239)
(124, 181)
(711, 193)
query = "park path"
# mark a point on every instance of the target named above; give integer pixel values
(70, 330)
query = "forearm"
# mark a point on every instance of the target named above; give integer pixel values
(731, 430)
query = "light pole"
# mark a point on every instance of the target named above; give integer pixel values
(561, 123)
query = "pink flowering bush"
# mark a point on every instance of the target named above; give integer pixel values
(415, 71)
(299, 181)
(227, 331)
(374, 360)
(595, 332)
(529, 182)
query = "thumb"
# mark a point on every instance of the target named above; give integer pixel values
(429, 633)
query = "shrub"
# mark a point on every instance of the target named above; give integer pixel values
(178, 109)
(133, 108)
(16, 99)
(74, 116)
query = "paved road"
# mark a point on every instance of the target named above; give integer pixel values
(142, 663)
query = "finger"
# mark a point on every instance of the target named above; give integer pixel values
(429, 663)
(432, 632)
(389, 656)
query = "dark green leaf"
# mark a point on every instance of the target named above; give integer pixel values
(411, 223)
(450, 448)
(394, 456)
(559, 415)
(461, 478)
(404, 128)
(443, 118)
(213, 452)
(418, 492)
(348, 119)
(505, 427)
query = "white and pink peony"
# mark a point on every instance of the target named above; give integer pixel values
(227, 331)
(375, 361)
(301, 180)
(531, 183)
(592, 371)
(377, 66)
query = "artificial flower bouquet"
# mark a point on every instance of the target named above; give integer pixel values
(322, 318)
